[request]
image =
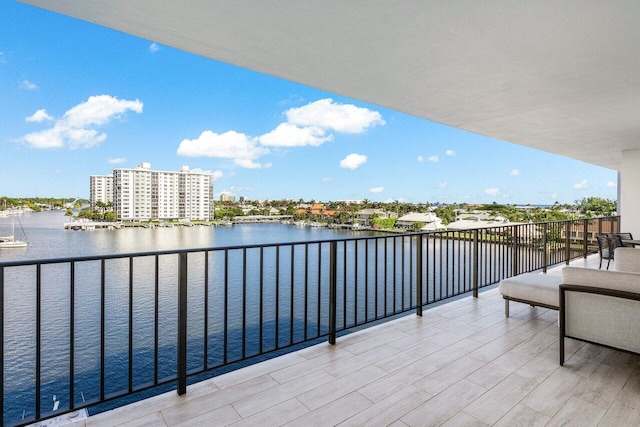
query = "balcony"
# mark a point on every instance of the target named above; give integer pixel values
(462, 363)
(126, 326)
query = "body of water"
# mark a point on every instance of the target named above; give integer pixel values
(245, 313)
(48, 239)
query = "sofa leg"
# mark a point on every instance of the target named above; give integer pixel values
(506, 307)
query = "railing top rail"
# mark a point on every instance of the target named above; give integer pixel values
(265, 245)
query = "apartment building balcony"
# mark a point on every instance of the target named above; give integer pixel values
(128, 326)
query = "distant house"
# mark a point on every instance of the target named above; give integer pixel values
(478, 221)
(364, 216)
(429, 221)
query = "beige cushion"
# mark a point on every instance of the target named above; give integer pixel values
(627, 259)
(533, 287)
(621, 280)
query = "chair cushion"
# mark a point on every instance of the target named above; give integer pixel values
(532, 287)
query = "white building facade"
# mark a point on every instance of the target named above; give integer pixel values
(100, 189)
(142, 194)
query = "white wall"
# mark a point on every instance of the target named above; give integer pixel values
(629, 191)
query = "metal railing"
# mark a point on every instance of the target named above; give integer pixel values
(93, 329)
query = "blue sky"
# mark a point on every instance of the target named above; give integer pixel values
(77, 100)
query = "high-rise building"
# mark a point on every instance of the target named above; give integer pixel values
(100, 189)
(224, 197)
(143, 194)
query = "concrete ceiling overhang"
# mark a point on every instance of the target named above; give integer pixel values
(559, 76)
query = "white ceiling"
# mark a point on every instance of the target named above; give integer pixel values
(560, 76)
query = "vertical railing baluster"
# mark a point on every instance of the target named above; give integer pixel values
(411, 271)
(476, 264)
(130, 326)
(585, 231)
(244, 302)
(38, 339)
(333, 249)
(567, 242)
(366, 280)
(306, 289)
(205, 326)
(72, 333)
(419, 275)
(394, 274)
(515, 251)
(545, 240)
(386, 273)
(182, 323)
(103, 328)
(375, 279)
(261, 314)
(225, 332)
(344, 284)
(319, 322)
(355, 283)
(402, 273)
(292, 295)
(277, 298)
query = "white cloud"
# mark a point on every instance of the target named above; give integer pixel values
(327, 114)
(117, 161)
(353, 161)
(290, 135)
(229, 145)
(376, 189)
(554, 196)
(308, 125)
(420, 159)
(492, 191)
(611, 184)
(581, 185)
(515, 172)
(217, 174)
(443, 185)
(327, 179)
(153, 48)
(434, 159)
(450, 153)
(39, 116)
(26, 84)
(74, 128)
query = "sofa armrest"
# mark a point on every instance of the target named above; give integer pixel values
(604, 316)
(616, 280)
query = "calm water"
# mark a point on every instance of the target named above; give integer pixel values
(48, 239)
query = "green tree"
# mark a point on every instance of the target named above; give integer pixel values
(417, 226)
(447, 213)
(596, 206)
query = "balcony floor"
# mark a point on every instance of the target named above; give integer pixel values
(461, 364)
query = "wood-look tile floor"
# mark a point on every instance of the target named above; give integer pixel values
(461, 364)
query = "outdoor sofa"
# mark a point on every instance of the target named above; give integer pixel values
(602, 307)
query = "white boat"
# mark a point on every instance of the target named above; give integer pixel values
(9, 241)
